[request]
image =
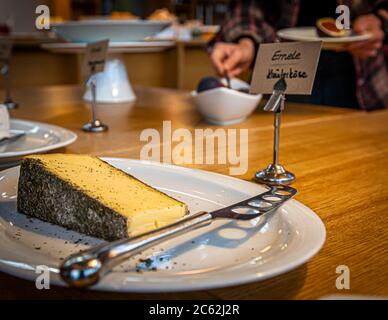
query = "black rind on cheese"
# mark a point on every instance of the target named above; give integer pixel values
(43, 195)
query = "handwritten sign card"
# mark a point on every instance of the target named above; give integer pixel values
(96, 53)
(5, 49)
(295, 61)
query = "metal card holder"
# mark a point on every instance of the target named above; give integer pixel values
(4, 71)
(275, 173)
(95, 125)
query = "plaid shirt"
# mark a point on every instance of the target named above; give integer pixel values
(246, 18)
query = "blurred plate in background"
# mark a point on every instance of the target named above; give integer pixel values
(310, 34)
(114, 47)
(38, 138)
(114, 30)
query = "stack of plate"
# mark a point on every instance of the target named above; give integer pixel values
(114, 30)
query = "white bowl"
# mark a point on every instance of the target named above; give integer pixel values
(114, 30)
(223, 106)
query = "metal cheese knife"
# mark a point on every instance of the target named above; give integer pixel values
(88, 267)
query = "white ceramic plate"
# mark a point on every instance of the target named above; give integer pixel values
(222, 254)
(40, 137)
(114, 47)
(310, 34)
(114, 30)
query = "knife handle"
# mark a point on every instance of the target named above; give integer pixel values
(88, 267)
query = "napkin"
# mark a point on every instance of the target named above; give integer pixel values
(4, 122)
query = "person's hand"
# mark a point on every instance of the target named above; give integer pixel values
(233, 58)
(365, 49)
(383, 13)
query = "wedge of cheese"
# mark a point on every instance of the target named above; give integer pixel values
(88, 195)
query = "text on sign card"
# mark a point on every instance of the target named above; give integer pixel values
(296, 62)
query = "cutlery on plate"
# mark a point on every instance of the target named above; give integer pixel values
(10, 139)
(88, 267)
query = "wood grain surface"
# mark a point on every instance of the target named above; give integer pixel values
(339, 156)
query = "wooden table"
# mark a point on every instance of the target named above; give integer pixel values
(340, 158)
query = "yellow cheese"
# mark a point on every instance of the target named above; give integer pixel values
(143, 207)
